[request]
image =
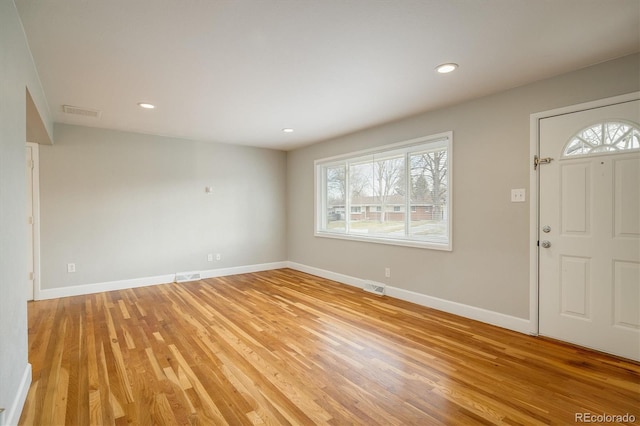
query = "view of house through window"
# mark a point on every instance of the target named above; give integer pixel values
(398, 194)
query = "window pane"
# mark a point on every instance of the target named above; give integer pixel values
(377, 189)
(360, 185)
(602, 138)
(398, 194)
(336, 184)
(429, 197)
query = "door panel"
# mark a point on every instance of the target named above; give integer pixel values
(589, 273)
(626, 281)
(575, 208)
(627, 206)
(574, 286)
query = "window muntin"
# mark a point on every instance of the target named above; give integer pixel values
(399, 194)
(608, 137)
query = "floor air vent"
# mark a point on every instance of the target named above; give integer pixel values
(374, 287)
(182, 277)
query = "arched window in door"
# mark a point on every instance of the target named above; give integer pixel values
(608, 137)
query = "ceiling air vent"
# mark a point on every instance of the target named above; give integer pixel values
(86, 112)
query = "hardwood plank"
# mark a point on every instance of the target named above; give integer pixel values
(55, 372)
(284, 347)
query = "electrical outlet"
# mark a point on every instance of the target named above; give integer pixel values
(218, 256)
(518, 195)
(387, 272)
(210, 257)
(71, 267)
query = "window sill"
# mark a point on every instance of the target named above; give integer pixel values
(387, 240)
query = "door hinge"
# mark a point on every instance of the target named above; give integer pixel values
(537, 161)
(31, 276)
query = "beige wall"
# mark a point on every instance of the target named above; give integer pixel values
(489, 265)
(17, 75)
(123, 206)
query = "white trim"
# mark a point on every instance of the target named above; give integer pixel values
(520, 325)
(533, 226)
(12, 416)
(534, 190)
(79, 290)
(235, 270)
(36, 218)
(404, 144)
(383, 240)
(333, 276)
(444, 139)
(479, 314)
(498, 319)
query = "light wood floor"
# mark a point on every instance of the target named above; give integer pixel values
(283, 347)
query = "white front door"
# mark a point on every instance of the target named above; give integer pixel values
(589, 229)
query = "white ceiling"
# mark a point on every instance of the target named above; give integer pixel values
(238, 71)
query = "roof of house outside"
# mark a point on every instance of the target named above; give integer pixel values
(398, 200)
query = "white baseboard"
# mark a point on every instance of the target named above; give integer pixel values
(12, 416)
(472, 312)
(247, 269)
(333, 276)
(79, 290)
(479, 314)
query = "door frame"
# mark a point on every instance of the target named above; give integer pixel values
(36, 218)
(534, 190)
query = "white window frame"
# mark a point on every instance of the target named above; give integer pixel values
(413, 145)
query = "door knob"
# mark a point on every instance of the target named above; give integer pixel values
(546, 244)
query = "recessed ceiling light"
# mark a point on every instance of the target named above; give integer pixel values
(146, 105)
(446, 68)
(287, 130)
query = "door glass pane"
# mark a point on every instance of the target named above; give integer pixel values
(609, 137)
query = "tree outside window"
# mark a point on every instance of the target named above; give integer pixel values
(398, 194)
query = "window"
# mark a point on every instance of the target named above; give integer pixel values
(382, 185)
(610, 137)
